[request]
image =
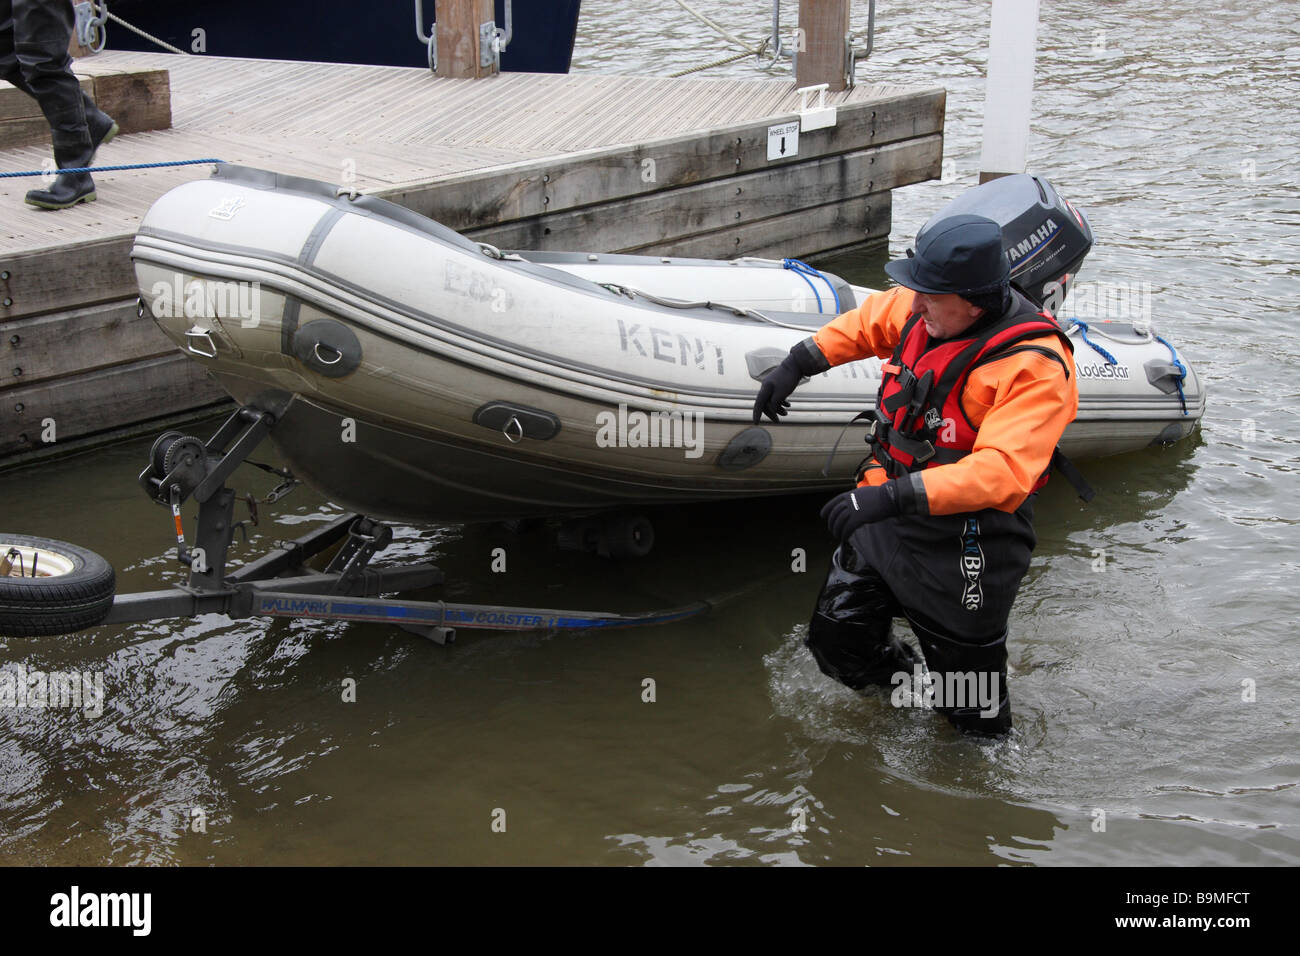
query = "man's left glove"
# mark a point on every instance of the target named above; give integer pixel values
(845, 513)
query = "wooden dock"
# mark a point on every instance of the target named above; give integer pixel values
(529, 161)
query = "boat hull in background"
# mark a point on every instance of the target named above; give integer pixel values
(332, 31)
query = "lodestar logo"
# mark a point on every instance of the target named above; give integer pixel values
(74, 908)
(226, 209)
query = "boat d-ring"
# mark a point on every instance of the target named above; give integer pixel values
(517, 422)
(327, 347)
(349, 191)
(338, 354)
(200, 335)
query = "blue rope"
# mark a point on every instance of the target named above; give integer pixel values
(804, 270)
(1083, 327)
(1182, 370)
(108, 169)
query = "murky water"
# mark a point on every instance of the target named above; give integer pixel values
(1175, 128)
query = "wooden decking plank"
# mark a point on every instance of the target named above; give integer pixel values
(678, 215)
(77, 341)
(401, 128)
(104, 399)
(859, 220)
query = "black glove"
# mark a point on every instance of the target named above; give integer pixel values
(776, 388)
(804, 361)
(845, 513)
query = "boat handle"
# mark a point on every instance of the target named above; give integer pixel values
(338, 356)
(515, 438)
(201, 334)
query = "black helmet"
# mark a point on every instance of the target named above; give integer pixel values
(961, 254)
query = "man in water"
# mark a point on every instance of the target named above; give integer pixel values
(977, 390)
(34, 38)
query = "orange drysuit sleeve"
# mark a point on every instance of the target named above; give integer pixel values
(1020, 405)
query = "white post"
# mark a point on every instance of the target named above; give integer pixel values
(1009, 90)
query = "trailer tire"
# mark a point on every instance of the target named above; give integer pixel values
(628, 536)
(73, 589)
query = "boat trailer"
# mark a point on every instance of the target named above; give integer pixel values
(280, 584)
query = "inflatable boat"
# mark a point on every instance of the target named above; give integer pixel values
(418, 375)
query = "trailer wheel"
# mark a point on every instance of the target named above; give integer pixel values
(51, 587)
(629, 536)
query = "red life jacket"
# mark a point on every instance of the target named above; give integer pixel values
(919, 421)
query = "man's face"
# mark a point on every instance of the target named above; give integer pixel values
(944, 315)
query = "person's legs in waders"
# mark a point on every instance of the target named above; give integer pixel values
(34, 38)
(955, 579)
(968, 569)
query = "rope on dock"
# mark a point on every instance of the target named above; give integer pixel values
(108, 169)
(723, 62)
(753, 51)
(148, 36)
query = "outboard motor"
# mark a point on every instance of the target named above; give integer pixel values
(1046, 238)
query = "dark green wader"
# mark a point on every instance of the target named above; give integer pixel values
(34, 37)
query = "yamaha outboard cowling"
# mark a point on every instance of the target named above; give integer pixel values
(1046, 237)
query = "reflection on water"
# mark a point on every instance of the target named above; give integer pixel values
(1149, 619)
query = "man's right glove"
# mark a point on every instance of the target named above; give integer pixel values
(804, 361)
(848, 512)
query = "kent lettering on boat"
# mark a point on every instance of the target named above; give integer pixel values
(77, 909)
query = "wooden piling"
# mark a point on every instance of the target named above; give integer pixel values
(822, 53)
(460, 24)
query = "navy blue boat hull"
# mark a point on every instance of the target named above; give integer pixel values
(328, 31)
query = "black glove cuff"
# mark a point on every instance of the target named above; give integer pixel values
(910, 494)
(808, 358)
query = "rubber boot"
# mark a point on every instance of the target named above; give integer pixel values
(102, 127)
(859, 655)
(850, 633)
(68, 189)
(970, 674)
(72, 188)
